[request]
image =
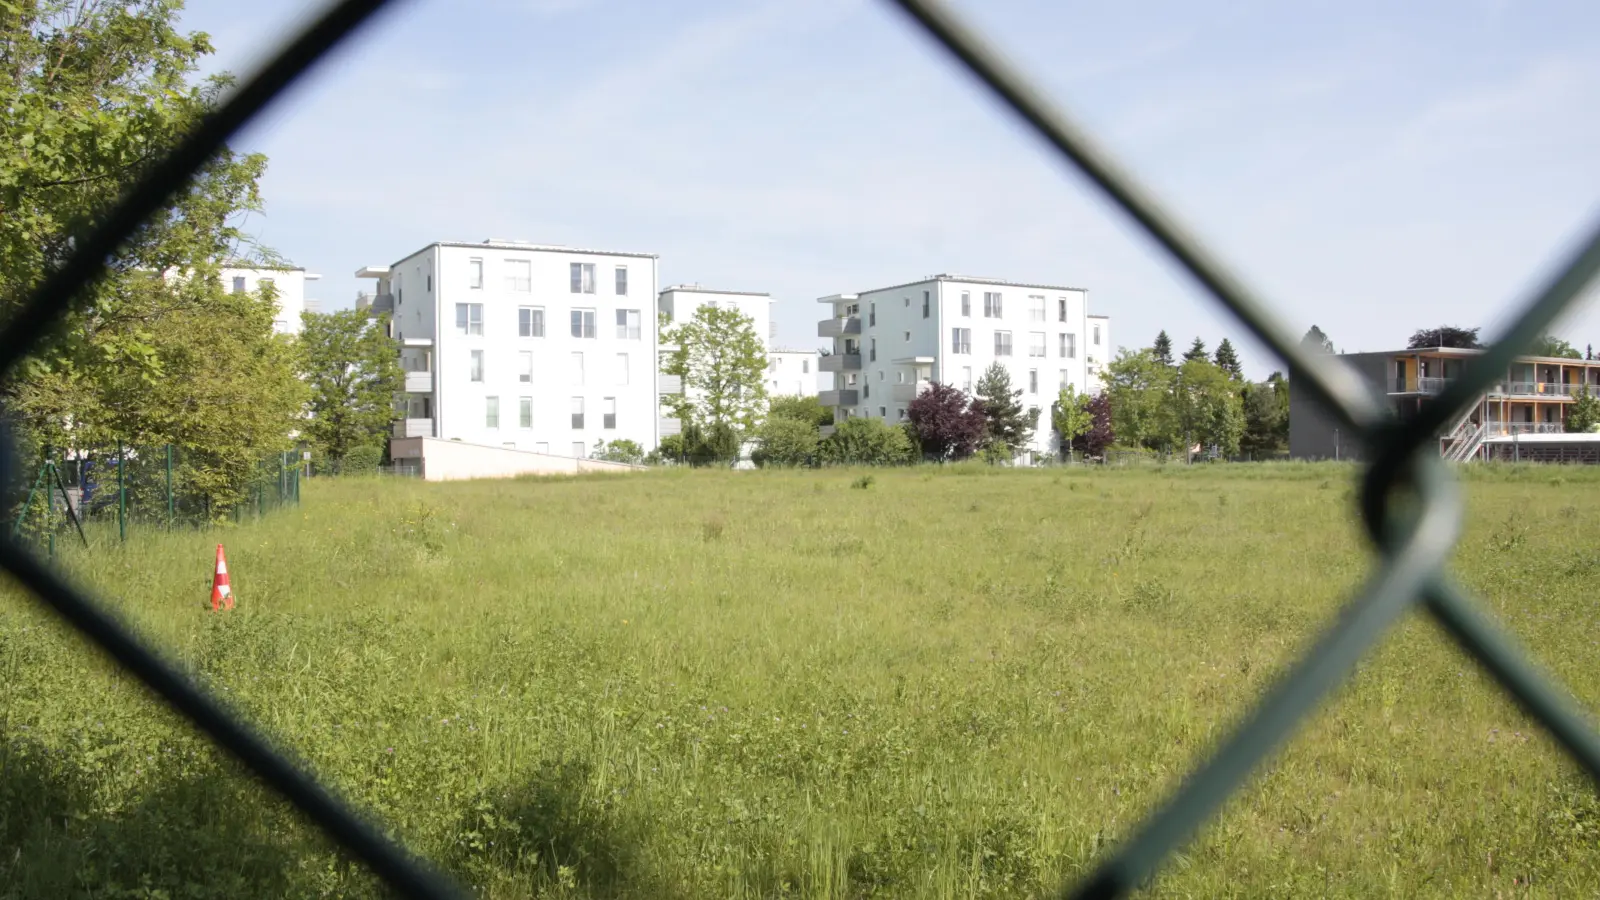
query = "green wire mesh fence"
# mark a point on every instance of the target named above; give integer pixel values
(1410, 504)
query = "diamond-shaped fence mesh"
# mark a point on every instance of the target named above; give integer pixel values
(1411, 507)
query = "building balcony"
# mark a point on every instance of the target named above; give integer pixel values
(1543, 389)
(840, 362)
(669, 426)
(669, 384)
(905, 393)
(410, 428)
(1509, 429)
(841, 397)
(419, 382)
(839, 326)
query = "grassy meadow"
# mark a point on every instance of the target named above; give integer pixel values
(909, 683)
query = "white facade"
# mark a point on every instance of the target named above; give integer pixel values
(891, 342)
(524, 346)
(792, 373)
(290, 284)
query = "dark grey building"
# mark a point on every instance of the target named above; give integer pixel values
(1314, 433)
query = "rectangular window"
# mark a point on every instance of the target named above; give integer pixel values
(238, 284)
(966, 378)
(430, 281)
(608, 413)
(872, 354)
(476, 372)
(902, 412)
(622, 281)
(577, 368)
(883, 413)
(583, 323)
(961, 341)
(491, 412)
(925, 301)
(907, 302)
(530, 321)
(1036, 343)
(1061, 309)
(966, 303)
(1036, 308)
(1002, 343)
(991, 305)
(622, 368)
(1033, 381)
(469, 318)
(628, 324)
(582, 278)
(577, 449)
(1069, 346)
(475, 274)
(908, 337)
(577, 413)
(805, 367)
(524, 367)
(525, 412)
(872, 314)
(519, 275)
(1097, 335)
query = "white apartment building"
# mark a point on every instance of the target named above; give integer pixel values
(523, 346)
(289, 282)
(889, 343)
(792, 373)
(677, 304)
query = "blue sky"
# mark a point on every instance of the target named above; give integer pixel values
(1372, 167)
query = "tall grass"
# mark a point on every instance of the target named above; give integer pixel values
(924, 683)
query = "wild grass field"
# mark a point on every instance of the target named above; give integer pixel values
(908, 683)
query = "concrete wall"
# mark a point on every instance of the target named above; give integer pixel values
(792, 373)
(441, 460)
(1314, 433)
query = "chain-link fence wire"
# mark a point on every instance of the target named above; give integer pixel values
(1410, 505)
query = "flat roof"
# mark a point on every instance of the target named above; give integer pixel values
(1468, 352)
(495, 244)
(788, 350)
(261, 266)
(972, 279)
(697, 289)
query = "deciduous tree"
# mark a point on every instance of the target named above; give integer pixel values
(948, 424)
(1070, 416)
(804, 409)
(1314, 339)
(1138, 386)
(784, 441)
(722, 363)
(1101, 434)
(352, 368)
(1584, 414)
(1552, 346)
(1206, 407)
(865, 441)
(1445, 336)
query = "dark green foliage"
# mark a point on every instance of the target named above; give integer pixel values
(1584, 414)
(1445, 336)
(803, 409)
(620, 450)
(362, 460)
(1552, 346)
(1197, 350)
(785, 442)
(1009, 425)
(1162, 349)
(353, 369)
(1228, 360)
(865, 441)
(1316, 340)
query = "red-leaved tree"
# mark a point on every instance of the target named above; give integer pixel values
(948, 423)
(1099, 436)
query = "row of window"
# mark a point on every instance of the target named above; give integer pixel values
(530, 322)
(966, 380)
(519, 277)
(993, 307)
(1066, 344)
(575, 368)
(608, 413)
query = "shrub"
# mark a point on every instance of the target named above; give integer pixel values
(785, 442)
(620, 450)
(803, 409)
(867, 442)
(363, 460)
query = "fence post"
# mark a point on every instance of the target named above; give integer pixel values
(122, 498)
(169, 487)
(49, 508)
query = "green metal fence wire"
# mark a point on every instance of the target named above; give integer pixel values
(1410, 505)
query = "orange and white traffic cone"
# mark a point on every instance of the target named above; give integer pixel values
(221, 593)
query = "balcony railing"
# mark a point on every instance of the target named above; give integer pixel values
(669, 384)
(907, 392)
(840, 362)
(1549, 389)
(839, 327)
(411, 428)
(419, 382)
(1507, 429)
(840, 397)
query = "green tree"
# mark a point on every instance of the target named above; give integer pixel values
(1197, 350)
(722, 362)
(620, 450)
(1228, 360)
(1584, 414)
(1266, 416)
(1316, 340)
(1009, 425)
(1138, 385)
(865, 441)
(352, 367)
(1445, 336)
(803, 409)
(1071, 417)
(95, 94)
(1206, 408)
(1162, 348)
(1552, 346)
(784, 441)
